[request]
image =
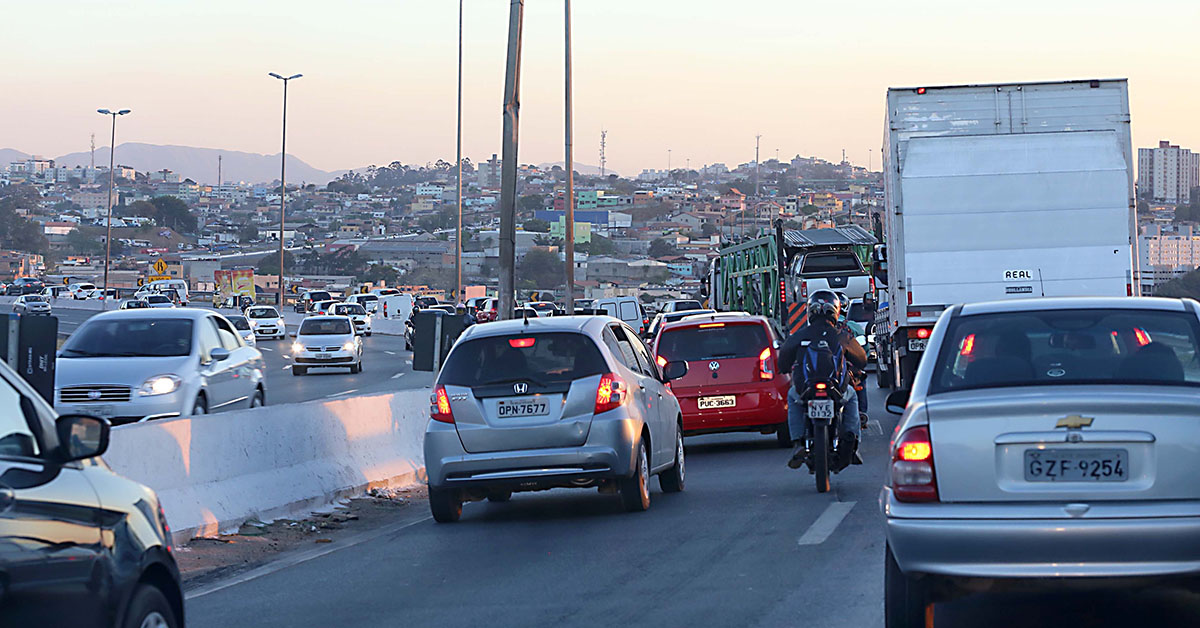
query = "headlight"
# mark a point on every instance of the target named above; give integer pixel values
(349, 346)
(160, 385)
(297, 347)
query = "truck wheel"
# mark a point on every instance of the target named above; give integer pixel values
(906, 370)
(883, 375)
(906, 603)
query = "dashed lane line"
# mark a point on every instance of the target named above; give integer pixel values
(397, 375)
(826, 523)
(345, 392)
(390, 352)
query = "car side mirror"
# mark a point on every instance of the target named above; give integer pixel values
(674, 370)
(897, 401)
(81, 436)
(218, 354)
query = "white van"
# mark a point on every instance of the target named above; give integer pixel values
(178, 285)
(627, 309)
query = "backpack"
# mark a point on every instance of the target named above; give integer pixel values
(821, 358)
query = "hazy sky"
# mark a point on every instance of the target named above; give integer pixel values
(698, 77)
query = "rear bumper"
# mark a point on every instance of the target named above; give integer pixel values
(607, 454)
(1057, 548)
(758, 406)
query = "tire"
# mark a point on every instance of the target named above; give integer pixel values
(258, 400)
(299, 370)
(148, 608)
(672, 480)
(820, 455)
(445, 504)
(635, 490)
(883, 375)
(354, 368)
(905, 600)
(783, 436)
(200, 405)
(499, 497)
(368, 334)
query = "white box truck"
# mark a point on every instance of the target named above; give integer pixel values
(1001, 191)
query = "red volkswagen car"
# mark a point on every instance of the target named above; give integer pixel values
(733, 382)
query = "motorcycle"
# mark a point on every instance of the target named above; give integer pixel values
(824, 402)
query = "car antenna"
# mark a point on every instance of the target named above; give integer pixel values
(525, 315)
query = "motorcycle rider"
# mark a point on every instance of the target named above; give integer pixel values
(858, 376)
(823, 309)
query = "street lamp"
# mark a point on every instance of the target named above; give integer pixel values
(112, 149)
(283, 178)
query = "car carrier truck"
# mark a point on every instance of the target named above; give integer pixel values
(1002, 191)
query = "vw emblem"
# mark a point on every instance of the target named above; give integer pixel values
(521, 388)
(93, 394)
(714, 365)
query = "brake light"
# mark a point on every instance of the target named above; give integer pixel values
(766, 366)
(913, 478)
(440, 410)
(661, 361)
(521, 343)
(920, 332)
(968, 345)
(803, 289)
(871, 283)
(708, 325)
(782, 291)
(610, 394)
(821, 389)
(910, 297)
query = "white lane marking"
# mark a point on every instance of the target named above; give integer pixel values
(826, 523)
(287, 367)
(397, 375)
(390, 352)
(265, 349)
(408, 362)
(345, 392)
(302, 557)
(875, 427)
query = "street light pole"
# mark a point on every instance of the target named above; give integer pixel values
(283, 178)
(458, 247)
(112, 149)
(569, 232)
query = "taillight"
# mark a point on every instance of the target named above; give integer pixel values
(910, 297)
(803, 289)
(611, 393)
(871, 283)
(821, 389)
(440, 406)
(920, 332)
(782, 291)
(913, 479)
(766, 365)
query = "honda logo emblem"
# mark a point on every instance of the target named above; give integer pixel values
(521, 388)
(714, 365)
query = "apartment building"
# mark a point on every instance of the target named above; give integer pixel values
(1168, 172)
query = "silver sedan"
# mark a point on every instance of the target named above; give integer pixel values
(1046, 442)
(551, 402)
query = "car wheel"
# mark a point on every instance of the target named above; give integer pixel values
(672, 480)
(635, 490)
(354, 368)
(783, 436)
(368, 334)
(148, 608)
(299, 370)
(258, 400)
(200, 406)
(499, 497)
(445, 504)
(906, 603)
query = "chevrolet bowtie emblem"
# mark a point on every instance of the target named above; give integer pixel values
(1075, 421)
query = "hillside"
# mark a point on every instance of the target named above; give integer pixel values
(200, 164)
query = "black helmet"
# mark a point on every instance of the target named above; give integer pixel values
(824, 304)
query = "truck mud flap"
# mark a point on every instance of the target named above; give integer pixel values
(797, 315)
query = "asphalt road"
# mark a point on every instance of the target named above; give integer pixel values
(386, 367)
(749, 543)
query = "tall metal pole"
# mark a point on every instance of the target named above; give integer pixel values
(570, 162)
(112, 150)
(283, 179)
(508, 169)
(458, 152)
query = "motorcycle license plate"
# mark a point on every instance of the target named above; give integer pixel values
(917, 344)
(820, 409)
(710, 403)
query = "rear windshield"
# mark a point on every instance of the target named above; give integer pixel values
(542, 307)
(686, 305)
(239, 322)
(34, 299)
(860, 313)
(263, 312)
(324, 327)
(319, 296)
(721, 341)
(137, 337)
(349, 309)
(1059, 347)
(544, 358)
(830, 263)
(366, 297)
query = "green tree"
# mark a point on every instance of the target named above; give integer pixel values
(376, 273)
(542, 269)
(599, 245)
(708, 229)
(1184, 286)
(247, 233)
(86, 241)
(16, 232)
(809, 210)
(537, 225)
(531, 202)
(269, 264)
(661, 248)
(173, 213)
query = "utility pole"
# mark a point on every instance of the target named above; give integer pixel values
(93, 151)
(756, 141)
(570, 163)
(668, 164)
(508, 169)
(112, 150)
(219, 179)
(283, 178)
(458, 152)
(603, 136)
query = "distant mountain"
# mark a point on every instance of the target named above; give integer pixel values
(200, 164)
(9, 155)
(580, 168)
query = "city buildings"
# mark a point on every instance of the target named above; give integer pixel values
(1168, 174)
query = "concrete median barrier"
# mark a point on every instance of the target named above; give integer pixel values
(214, 472)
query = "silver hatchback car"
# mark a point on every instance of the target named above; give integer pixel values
(526, 405)
(1046, 441)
